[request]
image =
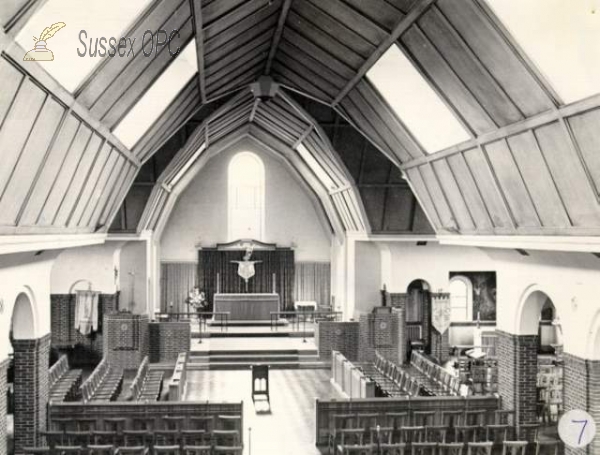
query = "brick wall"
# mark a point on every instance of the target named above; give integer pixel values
(3, 405)
(168, 339)
(517, 373)
(338, 336)
(31, 359)
(126, 339)
(384, 332)
(581, 390)
(88, 349)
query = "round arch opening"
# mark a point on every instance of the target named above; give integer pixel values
(23, 319)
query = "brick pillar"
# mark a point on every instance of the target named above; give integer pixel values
(3, 405)
(31, 358)
(398, 303)
(440, 342)
(426, 305)
(517, 374)
(581, 390)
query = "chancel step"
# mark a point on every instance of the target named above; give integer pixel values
(228, 360)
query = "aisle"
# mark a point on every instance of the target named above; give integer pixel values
(290, 429)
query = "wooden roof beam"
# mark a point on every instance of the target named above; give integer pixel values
(196, 7)
(417, 10)
(285, 8)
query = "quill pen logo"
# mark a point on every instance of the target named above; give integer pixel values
(40, 53)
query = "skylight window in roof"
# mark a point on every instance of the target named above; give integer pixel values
(99, 18)
(561, 37)
(314, 165)
(158, 97)
(423, 112)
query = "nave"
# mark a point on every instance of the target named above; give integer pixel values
(307, 226)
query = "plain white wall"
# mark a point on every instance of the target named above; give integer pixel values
(200, 214)
(95, 264)
(368, 277)
(133, 259)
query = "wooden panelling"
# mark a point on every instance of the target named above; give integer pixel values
(99, 190)
(79, 178)
(31, 159)
(322, 39)
(586, 129)
(11, 79)
(322, 54)
(374, 200)
(378, 11)
(17, 127)
(107, 193)
(50, 171)
(569, 175)
(488, 188)
(453, 195)
(538, 180)
(422, 193)
(89, 185)
(495, 53)
(512, 184)
(9, 9)
(119, 191)
(399, 210)
(470, 192)
(438, 197)
(468, 68)
(65, 175)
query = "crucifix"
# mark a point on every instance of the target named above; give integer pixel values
(246, 267)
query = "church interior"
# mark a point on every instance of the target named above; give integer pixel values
(303, 227)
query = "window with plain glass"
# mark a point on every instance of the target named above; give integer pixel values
(246, 197)
(158, 97)
(460, 299)
(415, 103)
(561, 38)
(99, 18)
(314, 165)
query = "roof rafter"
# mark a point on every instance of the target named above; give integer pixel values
(285, 8)
(196, 7)
(403, 25)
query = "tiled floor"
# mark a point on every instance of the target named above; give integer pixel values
(290, 428)
(252, 344)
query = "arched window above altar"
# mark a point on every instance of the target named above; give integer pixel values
(246, 197)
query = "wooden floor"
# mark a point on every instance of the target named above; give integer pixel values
(290, 428)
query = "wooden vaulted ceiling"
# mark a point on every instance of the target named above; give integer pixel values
(530, 166)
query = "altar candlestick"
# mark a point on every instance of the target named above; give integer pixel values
(218, 284)
(274, 288)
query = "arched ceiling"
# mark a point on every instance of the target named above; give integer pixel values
(529, 164)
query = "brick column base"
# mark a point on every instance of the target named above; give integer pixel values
(517, 374)
(581, 390)
(31, 358)
(3, 405)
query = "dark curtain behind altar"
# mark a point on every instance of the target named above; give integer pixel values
(279, 262)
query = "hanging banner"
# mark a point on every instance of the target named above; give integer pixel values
(440, 311)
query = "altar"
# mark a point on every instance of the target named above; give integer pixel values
(246, 307)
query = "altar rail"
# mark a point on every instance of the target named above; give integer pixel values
(298, 319)
(326, 409)
(349, 378)
(98, 416)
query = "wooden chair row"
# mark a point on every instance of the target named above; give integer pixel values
(118, 425)
(137, 438)
(147, 384)
(434, 379)
(432, 448)
(64, 382)
(134, 450)
(104, 384)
